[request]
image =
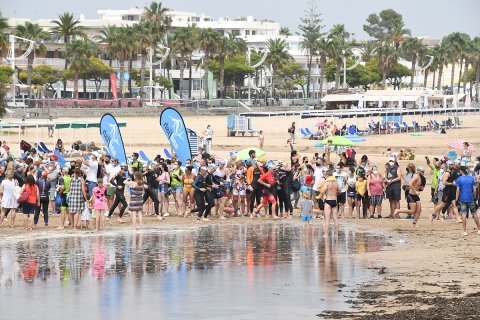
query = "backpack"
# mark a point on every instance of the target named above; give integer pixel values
(360, 171)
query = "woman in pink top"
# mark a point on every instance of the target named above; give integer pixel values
(99, 204)
(376, 188)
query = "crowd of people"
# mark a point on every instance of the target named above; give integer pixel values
(95, 187)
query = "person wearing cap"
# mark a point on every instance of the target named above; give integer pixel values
(449, 194)
(44, 186)
(200, 187)
(393, 189)
(136, 165)
(466, 195)
(92, 172)
(416, 185)
(117, 182)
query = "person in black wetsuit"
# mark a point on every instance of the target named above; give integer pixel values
(151, 174)
(200, 187)
(253, 174)
(117, 182)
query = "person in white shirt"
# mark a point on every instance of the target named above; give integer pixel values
(91, 172)
(208, 137)
(317, 176)
(341, 177)
(3, 156)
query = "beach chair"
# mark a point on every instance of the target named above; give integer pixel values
(458, 123)
(405, 125)
(308, 132)
(452, 155)
(396, 128)
(41, 150)
(303, 134)
(418, 126)
(232, 153)
(167, 153)
(144, 157)
(352, 130)
(44, 147)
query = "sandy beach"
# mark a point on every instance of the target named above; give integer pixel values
(429, 273)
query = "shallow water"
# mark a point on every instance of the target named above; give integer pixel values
(270, 271)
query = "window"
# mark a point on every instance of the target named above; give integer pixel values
(254, 32)
(247, 32)
(235, 32)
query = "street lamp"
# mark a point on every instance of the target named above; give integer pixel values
(162, 58)
(12, 58)
(258, 64)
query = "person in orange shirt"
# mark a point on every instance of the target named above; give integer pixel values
(253, 174)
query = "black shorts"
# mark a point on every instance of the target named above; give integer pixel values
(413, 198)
(394, 192)
(342, 198)
(360, 197)
(448, 195)
(331, 203)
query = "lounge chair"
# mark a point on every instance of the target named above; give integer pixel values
(167, 153)
(44, 147)
(303, 133)
(408, 128)
(452, 155)
(308, 132)
(144, 157)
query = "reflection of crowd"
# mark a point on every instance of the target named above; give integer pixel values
(72, 259)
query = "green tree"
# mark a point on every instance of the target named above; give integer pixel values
(387, 58)
(413, 50)
(6, 73)
(292, 75)
(228, 46)
(476, 64)
(311, 31)
(455, 44)
(144, 34)
(96, 70)
(3, 36)
(396, 75)
(285, 31)
(235, 70)
(338, 48)
(157, 14)
(361, 76)
(35, 33)
(278, 57)
(208, 42)
(66, 27)
(49, 75)
(387, 27)
(78, 53)
(184, 40)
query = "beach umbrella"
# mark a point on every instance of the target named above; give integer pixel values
(338, 141)
(243, 154)
(458, 144)
(354, 138)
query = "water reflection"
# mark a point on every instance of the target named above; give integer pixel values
(286, 271)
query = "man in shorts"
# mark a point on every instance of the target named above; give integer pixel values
(416, 186)
(466, 195)
(341, 177)
(331, 190)
(394, 185)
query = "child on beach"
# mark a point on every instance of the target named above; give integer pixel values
(306, 206)
(99, 204)
(261, 139)
(85, 217)
(361, 199)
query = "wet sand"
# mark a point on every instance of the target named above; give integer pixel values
(431, 273)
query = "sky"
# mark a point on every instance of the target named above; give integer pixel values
(434, 18)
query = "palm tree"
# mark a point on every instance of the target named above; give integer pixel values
(123, 46)
(285, 31)
(78, 53)
(441, 57)
(338, 48)
(3, 36)
(466, 57)
(413, 50)
(476, 64)
(107, 38)
(158, 16)
(387, 58)
(311, 35)
(38, 35)
(321, 50)
(398, 35)
(278, 57)
(207, 42)
(144, 34)
(228, 46)
(183, 39)
(455, 44)
(368, 50)
(68, 28)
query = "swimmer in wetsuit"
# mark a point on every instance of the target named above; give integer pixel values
(331, 189)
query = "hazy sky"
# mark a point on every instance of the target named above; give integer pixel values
(435, 18)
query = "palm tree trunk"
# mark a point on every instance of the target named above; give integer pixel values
(465, 74)
(205, 62)
(75, 85)
(182, 70)
(452, 76)
(425, 77)
(320, 81)
(84, 88)
(310, 59)
(190, 80)
(477, 79)
(337, 75)
(109, 80)
(273, 82)
(142, 74)
(412, 70)
(440, 74)
(29, 74)
(130, 65)
(384, 78)
(122, 69)
(433, 79)
(222, 74)
(65, 41)
(460, 75)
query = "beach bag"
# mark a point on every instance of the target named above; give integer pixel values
(23, 198)
(58, 200)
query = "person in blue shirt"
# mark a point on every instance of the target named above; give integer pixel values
(466, 195)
